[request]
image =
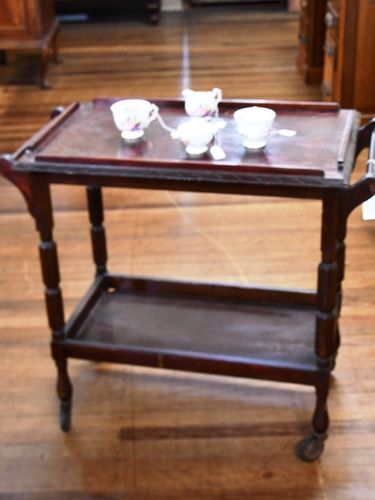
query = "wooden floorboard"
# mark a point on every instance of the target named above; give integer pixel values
(161, 435)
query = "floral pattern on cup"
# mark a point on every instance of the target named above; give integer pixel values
(202, 104)
(133, 116)
(196, 134)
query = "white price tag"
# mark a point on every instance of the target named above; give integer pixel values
(368, 209)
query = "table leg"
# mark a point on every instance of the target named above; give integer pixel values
(98, 239)
(44, 59)
(3, 57)
(326, 327)
(42, 210)
(56, 45)
(341, 250)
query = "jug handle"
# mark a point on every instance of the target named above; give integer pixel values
(217, 94)
(154, 112)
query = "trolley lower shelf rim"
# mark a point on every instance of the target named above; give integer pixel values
(172, 325)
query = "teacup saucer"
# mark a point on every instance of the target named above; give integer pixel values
(132, 135)
(254, 144)
(196, 150)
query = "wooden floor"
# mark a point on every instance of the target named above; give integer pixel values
(146, 434)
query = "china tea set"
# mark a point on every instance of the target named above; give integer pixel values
(254, 124)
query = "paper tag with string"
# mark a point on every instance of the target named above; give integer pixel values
(368, 209)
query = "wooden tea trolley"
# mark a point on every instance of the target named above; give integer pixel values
(273, 334)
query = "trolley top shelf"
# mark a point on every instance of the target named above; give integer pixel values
(84, 138)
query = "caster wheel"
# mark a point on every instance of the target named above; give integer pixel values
(311, 448)
(65, 408)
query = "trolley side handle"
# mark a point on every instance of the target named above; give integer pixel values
(364, 137)
(370, 164)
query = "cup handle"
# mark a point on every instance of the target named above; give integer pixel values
(154, 111)
(217, 94)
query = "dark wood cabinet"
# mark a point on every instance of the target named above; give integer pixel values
(337, 45)
(349, 62)
(311, 40)
(29, 25)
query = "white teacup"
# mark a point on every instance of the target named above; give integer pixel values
(195, 135)
(202, 104)
(132, 116)
(254, 124)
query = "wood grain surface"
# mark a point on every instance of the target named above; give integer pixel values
(139, 433)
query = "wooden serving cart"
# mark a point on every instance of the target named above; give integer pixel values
(257, 332)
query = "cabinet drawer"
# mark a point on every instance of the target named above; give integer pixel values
(13, 18)
(20, 19)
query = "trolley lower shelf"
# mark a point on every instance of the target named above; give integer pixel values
(197, 327)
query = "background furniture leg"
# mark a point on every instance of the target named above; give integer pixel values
(3, 57)
(44, 59)
(56, 45)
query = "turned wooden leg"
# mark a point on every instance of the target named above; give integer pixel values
(3, 57)
(98, 239)
(42, 209)
(312, 447)
(56, 46)
(64, 391)
(44, 59)
(341, 248)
